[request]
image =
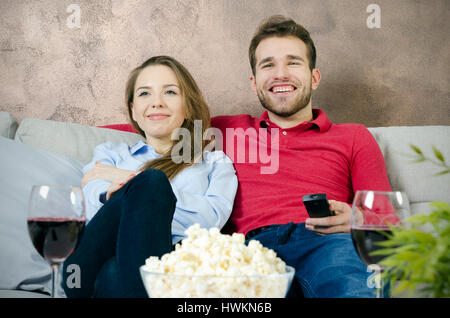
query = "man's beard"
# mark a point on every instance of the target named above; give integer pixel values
(298, 104)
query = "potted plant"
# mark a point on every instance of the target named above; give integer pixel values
(419, 260)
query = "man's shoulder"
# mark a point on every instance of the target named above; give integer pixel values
(354, 132)
(232, 121)
(349, 127)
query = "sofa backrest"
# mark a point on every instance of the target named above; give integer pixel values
(72, 140)
(417, 179)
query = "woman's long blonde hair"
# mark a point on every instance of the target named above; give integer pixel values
(195, 107)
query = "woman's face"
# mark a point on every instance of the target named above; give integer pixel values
(158, 103)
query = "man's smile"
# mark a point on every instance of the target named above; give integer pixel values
(282, 89)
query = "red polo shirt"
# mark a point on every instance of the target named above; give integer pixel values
(312, 157)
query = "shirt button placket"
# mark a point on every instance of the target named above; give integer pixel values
(283, 141)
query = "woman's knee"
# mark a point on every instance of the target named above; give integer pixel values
(151, 184)
(152, 179)
(154, 174)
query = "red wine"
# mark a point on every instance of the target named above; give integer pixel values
(365, 239)
(55, 238)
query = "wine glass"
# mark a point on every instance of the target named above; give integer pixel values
(56, 216)
(372, 214)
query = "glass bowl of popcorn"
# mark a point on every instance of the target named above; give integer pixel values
(208, 264)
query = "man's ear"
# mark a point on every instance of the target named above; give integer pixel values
(315, 80)
(253, 84)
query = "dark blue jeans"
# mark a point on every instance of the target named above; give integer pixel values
(132, 225)
(325, 266)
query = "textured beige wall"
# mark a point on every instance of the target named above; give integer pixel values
(395, 75)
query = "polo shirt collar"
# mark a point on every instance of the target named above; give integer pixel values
(320, 120)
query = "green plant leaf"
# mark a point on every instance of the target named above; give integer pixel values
(408, 256)
(442, 173)
(438, 154)
(389, 262)
(416, 149)
(387, 243)
(418, 219)
(441, 205)
(402, 285)
(384, 251)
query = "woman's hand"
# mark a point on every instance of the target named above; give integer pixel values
(116, 185)
(338, 223)
(107, 173)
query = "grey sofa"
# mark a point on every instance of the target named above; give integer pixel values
(44, 152)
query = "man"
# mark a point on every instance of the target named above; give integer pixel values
(314, 156)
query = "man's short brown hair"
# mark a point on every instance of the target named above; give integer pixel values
(281, 26)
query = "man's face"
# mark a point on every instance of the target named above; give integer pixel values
(283, 80)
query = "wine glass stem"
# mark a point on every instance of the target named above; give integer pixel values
(55, 275)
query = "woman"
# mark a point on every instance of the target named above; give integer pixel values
(141, 199)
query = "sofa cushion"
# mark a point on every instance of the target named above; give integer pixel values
(8, 125)
(21, 167)
(7, 293)
(72, 140)
(415, 178)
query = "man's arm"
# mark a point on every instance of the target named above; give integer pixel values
(368, 172)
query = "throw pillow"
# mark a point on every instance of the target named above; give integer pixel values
(21, 167)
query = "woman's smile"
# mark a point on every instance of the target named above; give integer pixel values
(157, 116)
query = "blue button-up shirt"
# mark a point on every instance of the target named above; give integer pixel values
(205, 191)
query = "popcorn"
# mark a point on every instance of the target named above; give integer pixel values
(211, 264)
